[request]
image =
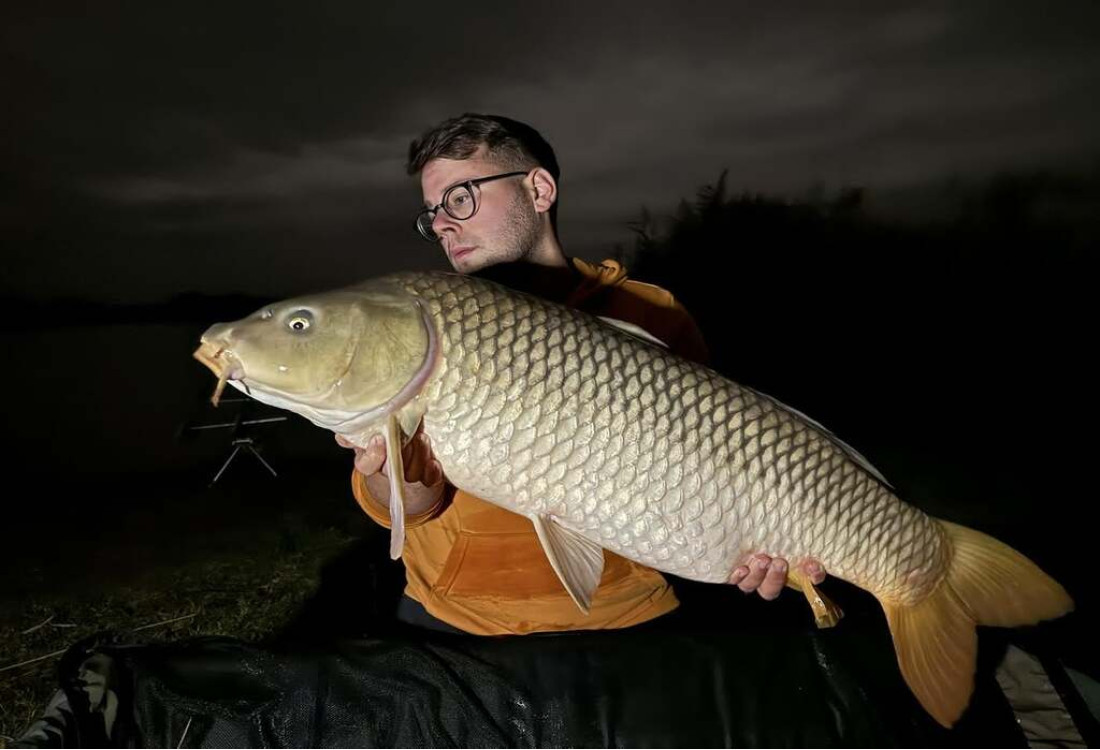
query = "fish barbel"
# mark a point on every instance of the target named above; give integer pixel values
(605, 440)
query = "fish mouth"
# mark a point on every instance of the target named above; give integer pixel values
(222, 363)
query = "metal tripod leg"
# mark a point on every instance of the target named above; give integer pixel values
(256, 453)
(237, 445)
(225, 466)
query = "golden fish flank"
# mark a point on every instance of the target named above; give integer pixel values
(604, 440)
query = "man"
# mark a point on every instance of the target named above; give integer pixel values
(490, 188)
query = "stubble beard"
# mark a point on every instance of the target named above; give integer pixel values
(517, 239)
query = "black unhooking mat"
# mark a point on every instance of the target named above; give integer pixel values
(642, 687)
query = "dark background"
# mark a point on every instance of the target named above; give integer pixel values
(903, 244)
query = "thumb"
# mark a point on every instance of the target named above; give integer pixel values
(371, 459)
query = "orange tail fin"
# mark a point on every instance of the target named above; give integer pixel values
(987, 583)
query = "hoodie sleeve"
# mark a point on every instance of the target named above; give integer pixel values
(373, 507)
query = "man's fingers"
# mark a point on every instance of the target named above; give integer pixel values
(433, 473)
(368, 465)
(423, 466)
(415, 456)
(767, 576)
(758, 567)
(370, 460)
(774, 579)
(814, 570)
(738, 575)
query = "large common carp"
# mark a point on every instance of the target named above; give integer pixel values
(605, 440)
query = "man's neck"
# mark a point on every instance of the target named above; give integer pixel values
(549, 274)
(547, 252)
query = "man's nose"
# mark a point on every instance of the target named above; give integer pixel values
(442, 222)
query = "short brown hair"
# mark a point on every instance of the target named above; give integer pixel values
(511, 143)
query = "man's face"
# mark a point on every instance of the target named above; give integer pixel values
(505, 227)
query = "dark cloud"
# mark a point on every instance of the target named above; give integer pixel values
(158, 146)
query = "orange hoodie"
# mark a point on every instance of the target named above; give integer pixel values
(482, 569)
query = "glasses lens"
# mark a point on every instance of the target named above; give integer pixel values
(424, 226)
(459, 202)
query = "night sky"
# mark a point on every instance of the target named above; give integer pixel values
(154, 148)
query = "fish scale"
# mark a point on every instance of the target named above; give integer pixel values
(599, 403)
(605, 440)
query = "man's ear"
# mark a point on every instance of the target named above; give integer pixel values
(544, 189)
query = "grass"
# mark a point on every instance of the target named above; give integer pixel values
(244, 575)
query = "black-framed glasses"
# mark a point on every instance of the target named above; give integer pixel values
(459, 201)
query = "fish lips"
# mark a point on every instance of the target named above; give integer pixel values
(221, 362)
(218, 359)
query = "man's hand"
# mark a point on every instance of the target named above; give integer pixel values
(420, 463)
(423, 474)
(767, 576)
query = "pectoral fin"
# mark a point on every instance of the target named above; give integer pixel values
(409, 418)
(397, 486)
(578, 561)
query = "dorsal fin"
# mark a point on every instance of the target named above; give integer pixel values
(852, 452)
(633, 330)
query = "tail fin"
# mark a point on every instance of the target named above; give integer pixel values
(987, 583)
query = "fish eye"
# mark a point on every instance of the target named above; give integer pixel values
(300, 321)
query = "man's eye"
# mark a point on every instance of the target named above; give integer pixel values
(458, 198)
